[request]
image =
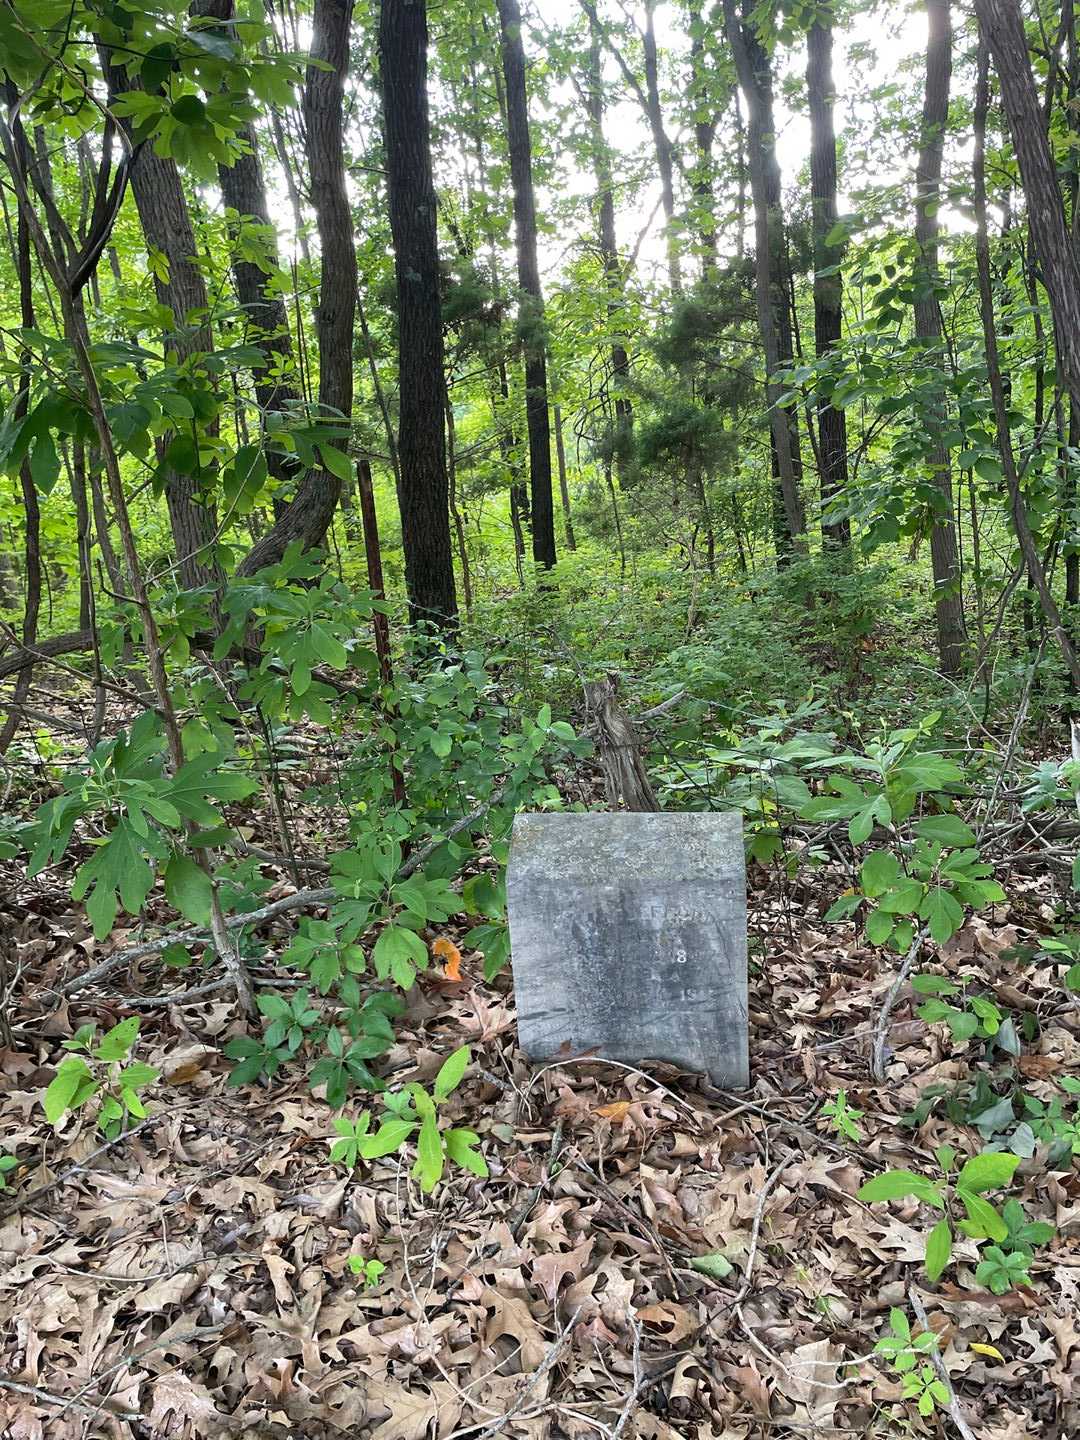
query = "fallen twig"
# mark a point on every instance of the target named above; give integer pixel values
(955, 1412)
(46, 1397)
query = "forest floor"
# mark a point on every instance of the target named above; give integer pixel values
(192, 1278)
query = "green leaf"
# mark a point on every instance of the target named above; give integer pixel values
(461, 1148)
(879, 926)
(942, 913)
(988, 1171)
(116, 1043)
(389, 1137)
(399, 951)
(72, 1074)
(328, 648)
(938, 1249)
(451, 1073)
(716, 1265)
(983, 1222)
(945, 830)
(337, 463)
(878, 872)
(430, 1155)
(188, 888)
(898, 1184)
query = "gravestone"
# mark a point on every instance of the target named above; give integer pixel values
(628, 935)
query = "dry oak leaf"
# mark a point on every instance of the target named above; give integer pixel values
(549, 1271)
(666, 1313)
(514, 1318)
(178, 1397)
(808, 1377)
(411, 1411)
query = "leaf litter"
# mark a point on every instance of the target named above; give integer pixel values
(649, 1257)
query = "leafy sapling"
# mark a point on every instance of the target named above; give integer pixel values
(369, 1270)
(415, 1111)
(106, 1072)
(843, 1117)
(908, 1356)
(988, 1171)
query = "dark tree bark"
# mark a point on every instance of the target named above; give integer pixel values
(531, 317)
(32, 518)
(1032, 560)
(1002, 24)
(943, 548)
(166, 224)
(309, 516)
(771, 271)
(423, 494)
(828, 288)
(243, 189)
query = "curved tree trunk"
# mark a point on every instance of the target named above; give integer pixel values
(423, 494)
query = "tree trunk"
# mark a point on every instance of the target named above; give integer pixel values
(531, 317)
(308, 518)
(1037, 580)
(166, 224)
(564, 489)
(609, 253)
(943, 548)
(828, 288)
(755, 79)
(706, 114)
(423, 495)
(664, 148)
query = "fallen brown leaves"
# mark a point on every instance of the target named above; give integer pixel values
(196, 1275)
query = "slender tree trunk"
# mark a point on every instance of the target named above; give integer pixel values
(308, 517)
(166, 224)
(424, 492)
(705, 120)
(531, 317)
(564, 489)
(755, 79)
(664, 149)
(828, 288)
(1036, 572)
(609, 252)
(32, 516)
(943, 549)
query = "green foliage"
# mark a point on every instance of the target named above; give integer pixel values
(415, 1111)
(8, 1163)
(106, 1074)
(369, 1270)
(842, 1117)
(907, 1355)
(990, 1170)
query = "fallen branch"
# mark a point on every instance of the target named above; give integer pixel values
(99, 1410)
(955, 1412)
(298, 900)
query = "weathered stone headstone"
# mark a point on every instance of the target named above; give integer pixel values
(628, 934)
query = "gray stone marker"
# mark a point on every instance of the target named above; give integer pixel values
(628, 934)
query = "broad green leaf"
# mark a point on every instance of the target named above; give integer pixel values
(942, 913)
(945, 830)
(399, 951)
(988, 1171)
(116, 1043)
(72, 1074)
(451, 1072)
(716, 1265)
(429, 1154)
(983, 1222)
(938, 1249)
(461, 1148)
(878, 872)
(188, 888)
(389, 1137)
(898, 1184)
